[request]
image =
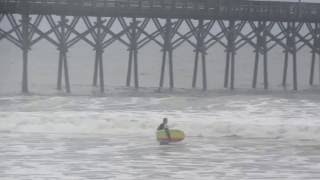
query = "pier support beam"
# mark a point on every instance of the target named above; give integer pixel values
(25, 49)
(290, 50)
(313, 62)
(166, 54)
(265, 67)
(200, 50)
(226, 71)
(99, 66)
(133, 56)
(63, 70)
(295, 72)
(133, 64)
(315, 51)
(167, 51)
(256, 66)
(98, 63)
(230, 56)
(261, 48)
(63, 63)
(167, 32)
(95, 69)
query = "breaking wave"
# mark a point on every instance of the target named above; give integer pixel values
(249, 116)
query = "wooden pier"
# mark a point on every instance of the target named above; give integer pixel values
(263, 25)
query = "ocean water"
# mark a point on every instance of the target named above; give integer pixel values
(229, 135)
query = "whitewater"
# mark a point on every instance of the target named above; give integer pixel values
(229, 135)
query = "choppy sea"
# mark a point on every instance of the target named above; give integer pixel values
(229, 135)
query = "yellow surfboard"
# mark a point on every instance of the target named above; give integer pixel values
(175, 134)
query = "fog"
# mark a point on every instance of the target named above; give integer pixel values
(243, 133)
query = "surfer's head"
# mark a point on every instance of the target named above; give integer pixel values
(165, 120)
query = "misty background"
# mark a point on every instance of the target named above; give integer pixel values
(239, 134)
(43, 64)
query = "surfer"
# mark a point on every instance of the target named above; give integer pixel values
(164, 126)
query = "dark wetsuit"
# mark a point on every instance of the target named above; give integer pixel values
(164, 126)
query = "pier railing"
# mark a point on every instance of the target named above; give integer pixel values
(198, 9)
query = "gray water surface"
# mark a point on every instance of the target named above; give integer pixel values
(58, 156)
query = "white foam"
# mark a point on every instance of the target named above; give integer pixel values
(253, 116)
